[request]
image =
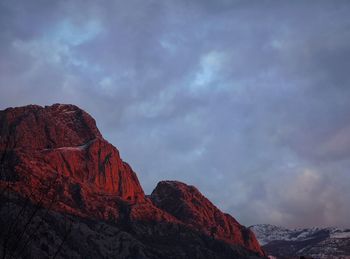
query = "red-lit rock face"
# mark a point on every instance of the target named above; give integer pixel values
(188, 205)
(56, 157)
(61, 143)
(35, 127)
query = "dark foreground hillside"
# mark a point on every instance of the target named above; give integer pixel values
(50, 234)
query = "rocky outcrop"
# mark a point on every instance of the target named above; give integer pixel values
(59, 147)
(188, 205)
(36, 127)
(56, 157)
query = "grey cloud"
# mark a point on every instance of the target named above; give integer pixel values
(246, 100)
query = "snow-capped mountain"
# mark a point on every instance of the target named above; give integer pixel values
(313, 242)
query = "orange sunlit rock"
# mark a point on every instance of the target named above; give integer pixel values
(56, 156)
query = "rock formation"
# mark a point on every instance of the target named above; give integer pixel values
(188, 205)
(58, 150)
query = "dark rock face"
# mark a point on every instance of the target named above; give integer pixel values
(55, 157)
(51, 234)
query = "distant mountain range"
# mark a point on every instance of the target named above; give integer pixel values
(309, 242)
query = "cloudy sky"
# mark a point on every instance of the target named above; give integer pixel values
(247, 100)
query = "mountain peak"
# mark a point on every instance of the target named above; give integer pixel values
(61, 142)
(57, 151)
(186, 203)
(36, 127)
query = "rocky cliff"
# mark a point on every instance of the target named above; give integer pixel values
(188, 205)
(55, 157)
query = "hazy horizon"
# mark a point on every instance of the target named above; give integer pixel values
(247, 101)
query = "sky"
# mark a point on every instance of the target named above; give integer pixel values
(247, 100)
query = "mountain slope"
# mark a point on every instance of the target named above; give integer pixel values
(51, 233)
(188, 205)
(55, 158)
